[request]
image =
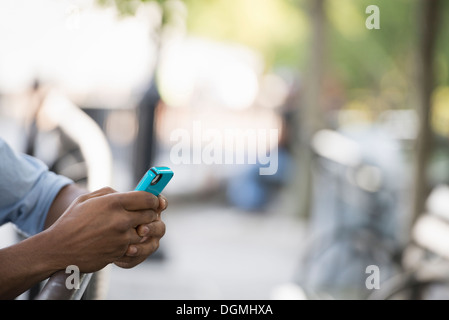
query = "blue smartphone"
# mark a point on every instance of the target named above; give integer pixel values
(155, 180)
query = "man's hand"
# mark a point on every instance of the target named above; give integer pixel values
(92, 231)
(151, 234)
(102, 227)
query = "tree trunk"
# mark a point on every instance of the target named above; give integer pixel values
(428, 29)
(309, 113)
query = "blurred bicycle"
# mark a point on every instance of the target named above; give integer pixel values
(425, 259)
(356, 214)
(357, 222)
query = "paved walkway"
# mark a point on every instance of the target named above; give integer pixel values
(212, 251)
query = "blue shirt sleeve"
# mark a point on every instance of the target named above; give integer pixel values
(27, 190)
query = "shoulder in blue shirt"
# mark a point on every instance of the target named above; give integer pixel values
(27, 190)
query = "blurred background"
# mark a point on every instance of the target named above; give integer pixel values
(357, 98)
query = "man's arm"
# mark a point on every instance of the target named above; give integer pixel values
(27, 263)
(97, 228)
(24, 264)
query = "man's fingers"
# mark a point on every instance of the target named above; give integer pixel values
(97, 193)
(142, 249)
(154, 229)
(149, 242)
(162, 203)
(142, 217)
(134, 237)
(133, 251)
(143, 230)
(138, 200)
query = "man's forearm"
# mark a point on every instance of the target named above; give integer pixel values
(26, 263)
(62, 201)
(32, 260)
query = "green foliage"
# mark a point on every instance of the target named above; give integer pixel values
(276, 28)
(442, 58)
(371, 58)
